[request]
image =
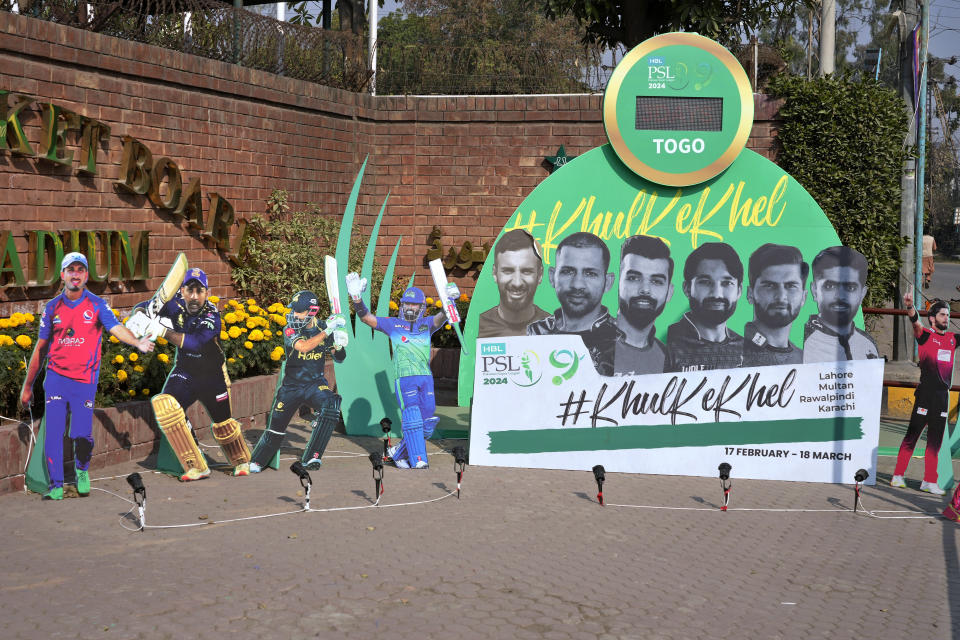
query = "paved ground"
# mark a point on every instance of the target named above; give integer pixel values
(523, 554)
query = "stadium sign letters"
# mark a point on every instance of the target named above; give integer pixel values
(113, 254)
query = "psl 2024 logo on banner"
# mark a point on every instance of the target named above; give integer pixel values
(526, 368)
(500, 366)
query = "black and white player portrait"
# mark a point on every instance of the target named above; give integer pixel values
(777, 290)
(701, 340)
(518, 271)
(839, 286)
(580, 276)
(646, 273)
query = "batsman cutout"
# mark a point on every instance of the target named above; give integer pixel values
(409, 336)
(192, 324)
(302, 380)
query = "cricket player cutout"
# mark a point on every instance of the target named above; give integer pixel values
(302, 381)
(71, 329)
(193, 324)
(409, 336)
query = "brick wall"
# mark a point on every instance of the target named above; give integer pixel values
(463, 163)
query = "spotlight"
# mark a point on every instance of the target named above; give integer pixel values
(858, 477)
(459, 464)
(385, 425)
(305, 482)
(599, 474)
(139, 496)
(725, 483)
(377, 462)
(724, 470)
(136, 483)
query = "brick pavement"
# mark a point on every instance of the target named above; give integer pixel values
(524, 554)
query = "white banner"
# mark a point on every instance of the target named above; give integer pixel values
(538, 402)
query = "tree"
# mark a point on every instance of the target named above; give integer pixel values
(627, 23)
(480, 46)
(351, 14)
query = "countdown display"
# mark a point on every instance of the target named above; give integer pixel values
(678, 109)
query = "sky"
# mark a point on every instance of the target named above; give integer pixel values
(945, 30)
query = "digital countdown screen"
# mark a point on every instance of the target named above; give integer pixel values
(658, 113)
(678, 109)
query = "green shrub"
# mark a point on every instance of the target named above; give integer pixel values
(843, 141)
(285, 250)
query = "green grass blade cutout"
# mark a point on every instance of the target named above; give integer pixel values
(368, 366)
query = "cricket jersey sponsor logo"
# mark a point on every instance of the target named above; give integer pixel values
(88, 316)
(88, 404)
(56, 319)
(71, 341)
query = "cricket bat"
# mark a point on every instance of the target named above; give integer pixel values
(168, 289)
(440, 282)
(331, 275)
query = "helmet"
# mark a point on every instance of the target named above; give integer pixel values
(302, 301)
(412, 297)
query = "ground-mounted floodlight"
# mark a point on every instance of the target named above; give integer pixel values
(139, 496)
(305, 482)
(858, 478)
(385, 425)
(599, 474)
(376, 460)
(725, 483)
(459, 465)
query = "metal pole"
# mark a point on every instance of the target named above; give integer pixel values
(828, 29)
(373, 47)
(326, 22)
(903, 342)
(921, 147)
(237, 8)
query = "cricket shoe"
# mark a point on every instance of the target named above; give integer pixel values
(313, 465)
(898, 481)
(242, 469)
(54, 494)
(931, 487)
(401, 464)
(421, 464)
(194, 474)
(255, 468)
(392, 450)
(83, 483)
